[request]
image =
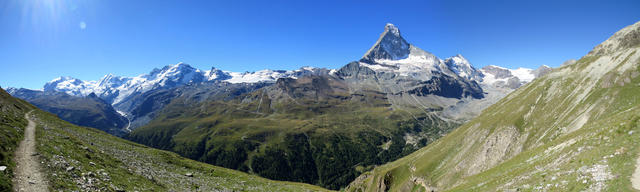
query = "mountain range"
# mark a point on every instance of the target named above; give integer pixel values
(390, 54)
(312, 125)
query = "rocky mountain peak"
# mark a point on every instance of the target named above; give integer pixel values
(462, 67)
(498, 72)
(542, 70)
(216, 74)
(390, 28)
(390, 46)
(111, 80)
(54, 84)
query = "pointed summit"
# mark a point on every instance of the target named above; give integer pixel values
(392, 29)
(461, 66)
(390, 46)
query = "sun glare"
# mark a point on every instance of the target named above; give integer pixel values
(47, 13)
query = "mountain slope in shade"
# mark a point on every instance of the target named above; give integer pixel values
(574, 129)
(390, 46)
(89, 111)
(85, 159)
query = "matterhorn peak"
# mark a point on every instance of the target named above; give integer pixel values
(390, 28)
(390, 46)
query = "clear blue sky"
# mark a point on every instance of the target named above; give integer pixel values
(43, 39)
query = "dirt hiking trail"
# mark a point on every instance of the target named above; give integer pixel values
(28, 176)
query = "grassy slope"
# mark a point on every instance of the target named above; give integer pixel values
(12, 125)
(104, 162)
(327, 142)
(87, 111)
(574, 129)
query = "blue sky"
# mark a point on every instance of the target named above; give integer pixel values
(43, 39)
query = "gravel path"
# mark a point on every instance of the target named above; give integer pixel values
(28, 176)
(635, 178)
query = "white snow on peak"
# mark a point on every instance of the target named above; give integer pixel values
(116, 89)
(309, 68)
(419, 64)
(491, 76)
(490, 79)
(71, 86)
(392, 29)
(524, 74)
(253, 77)
(495, 66)
(267, 75)
(461, 66)
(461, 60)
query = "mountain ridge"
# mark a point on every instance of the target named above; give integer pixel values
(115, 89)
(572, 129)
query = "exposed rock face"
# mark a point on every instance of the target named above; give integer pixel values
(497, 72)
(356, 71)
(625, 38)
(542, 70)
(217, 74)
(390, 46)
(446, 86)
(463, 68)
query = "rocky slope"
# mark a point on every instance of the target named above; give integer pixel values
(573, 129)
(85, 159)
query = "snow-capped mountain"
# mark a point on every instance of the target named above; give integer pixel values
(115, 89)
(269, 75)
(511, 78)
(414, 77)
(392, 54)
(463, 68)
